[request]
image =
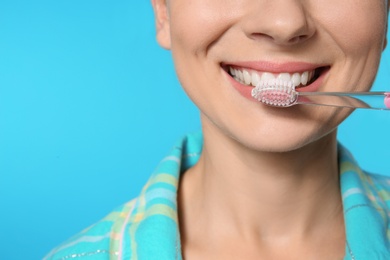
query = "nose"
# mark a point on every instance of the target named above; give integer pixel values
(284, 22)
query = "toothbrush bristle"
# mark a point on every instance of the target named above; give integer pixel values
(275, 92)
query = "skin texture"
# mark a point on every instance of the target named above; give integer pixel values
(266, 185)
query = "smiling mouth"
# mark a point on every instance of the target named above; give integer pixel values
(253, 78)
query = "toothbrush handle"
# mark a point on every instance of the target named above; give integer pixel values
(369, 100)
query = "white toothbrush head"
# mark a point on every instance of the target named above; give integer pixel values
(276, 93)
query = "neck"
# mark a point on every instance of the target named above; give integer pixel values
(235, 190)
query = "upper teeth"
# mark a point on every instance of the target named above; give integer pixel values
(251, 77)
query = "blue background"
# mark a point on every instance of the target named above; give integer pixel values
(89, 104)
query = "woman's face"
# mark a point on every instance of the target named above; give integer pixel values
(335, 45)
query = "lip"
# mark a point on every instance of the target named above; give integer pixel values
(290, 67)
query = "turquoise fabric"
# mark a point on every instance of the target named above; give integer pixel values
(366, 202)
(147, 227)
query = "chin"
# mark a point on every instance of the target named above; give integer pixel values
(283, 145)
(273, 145)
(274, 130)
(278, 140)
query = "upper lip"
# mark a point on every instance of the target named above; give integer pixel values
(264, 66)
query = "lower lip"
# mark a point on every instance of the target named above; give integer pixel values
(246, 91)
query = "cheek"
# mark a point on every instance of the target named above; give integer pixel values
(196, 25)
(358, 27)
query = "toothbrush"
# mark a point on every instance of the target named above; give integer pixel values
(280, 93)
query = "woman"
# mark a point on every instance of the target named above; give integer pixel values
(259, 182)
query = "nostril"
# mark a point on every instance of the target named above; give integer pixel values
(298, 39)
(281, 38)
(259, 36)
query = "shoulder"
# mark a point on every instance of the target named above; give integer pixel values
(380, 184)
(353, 179)
(379, 190)
(146, 227)
(99, 241)
(381, 180)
